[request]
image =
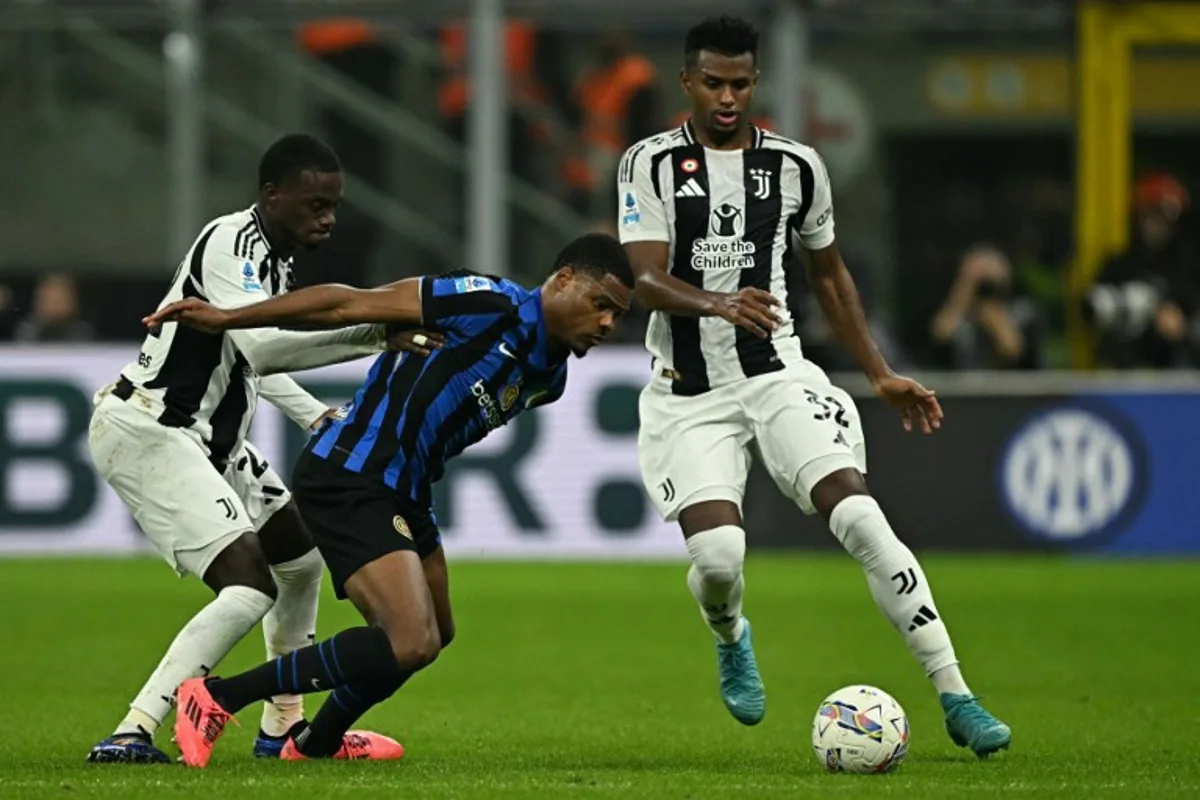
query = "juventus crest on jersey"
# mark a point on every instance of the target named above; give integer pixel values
(200, 381)
(729, 217)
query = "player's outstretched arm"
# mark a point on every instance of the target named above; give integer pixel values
(330, 305)
(834, 288)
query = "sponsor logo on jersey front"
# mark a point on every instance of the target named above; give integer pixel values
(493, 412)
(724, 249)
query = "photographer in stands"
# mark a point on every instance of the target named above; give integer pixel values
(984, 323)
(1145, 300)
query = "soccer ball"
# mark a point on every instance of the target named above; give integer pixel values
(860, 729)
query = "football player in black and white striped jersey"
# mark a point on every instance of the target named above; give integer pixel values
(712, 215)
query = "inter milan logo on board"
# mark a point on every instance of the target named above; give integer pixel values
(1074, 474)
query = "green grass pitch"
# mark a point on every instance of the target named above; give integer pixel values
(599, 680)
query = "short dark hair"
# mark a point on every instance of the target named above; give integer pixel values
(729, 36)
(596, 254)
(293, 154)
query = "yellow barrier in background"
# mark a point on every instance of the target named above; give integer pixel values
(1108, 32)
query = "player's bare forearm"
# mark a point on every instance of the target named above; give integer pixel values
(333, 304)
(834, 288)
(660, 291)
(749, 308)
(322, 305)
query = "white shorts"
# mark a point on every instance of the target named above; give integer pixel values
(696, 449)
(188, 510)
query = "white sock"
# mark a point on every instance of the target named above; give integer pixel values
(949, 680)
(898, 585)
(715, 578)
(197, 649)
(290, 625)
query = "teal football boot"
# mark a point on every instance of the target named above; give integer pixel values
(741, 685)
(971, 725)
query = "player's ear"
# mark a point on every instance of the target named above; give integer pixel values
(269, 194)
(564, 275)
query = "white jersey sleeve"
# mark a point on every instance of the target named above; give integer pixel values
(271, 351)
(815, 231)
(229, 281)
(641, 212)
(287, 395)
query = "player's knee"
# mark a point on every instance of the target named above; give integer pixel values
(718, 553)
(420, 654)
(830, 491)
(259, 580)
(256, 574)
(303, 571)
(242, 564)
(415, 650)
(860, 525)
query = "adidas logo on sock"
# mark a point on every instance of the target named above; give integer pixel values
(690, 188)
(924, 616)
(717, 614)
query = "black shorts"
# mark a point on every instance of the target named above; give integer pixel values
(356, 518)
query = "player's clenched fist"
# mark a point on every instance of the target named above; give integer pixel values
(191, 312)
(752, 309)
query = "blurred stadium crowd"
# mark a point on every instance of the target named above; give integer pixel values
(973, 278)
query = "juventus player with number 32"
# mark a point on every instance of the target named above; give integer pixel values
(709, 214)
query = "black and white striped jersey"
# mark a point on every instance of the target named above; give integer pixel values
(204, 382)
(730, 217)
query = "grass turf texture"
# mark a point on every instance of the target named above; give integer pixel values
(599, 680)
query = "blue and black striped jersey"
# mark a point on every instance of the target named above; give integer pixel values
(415, 413)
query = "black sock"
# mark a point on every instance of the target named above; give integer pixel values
(342, 709)
(357, 655)
(291, 733)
